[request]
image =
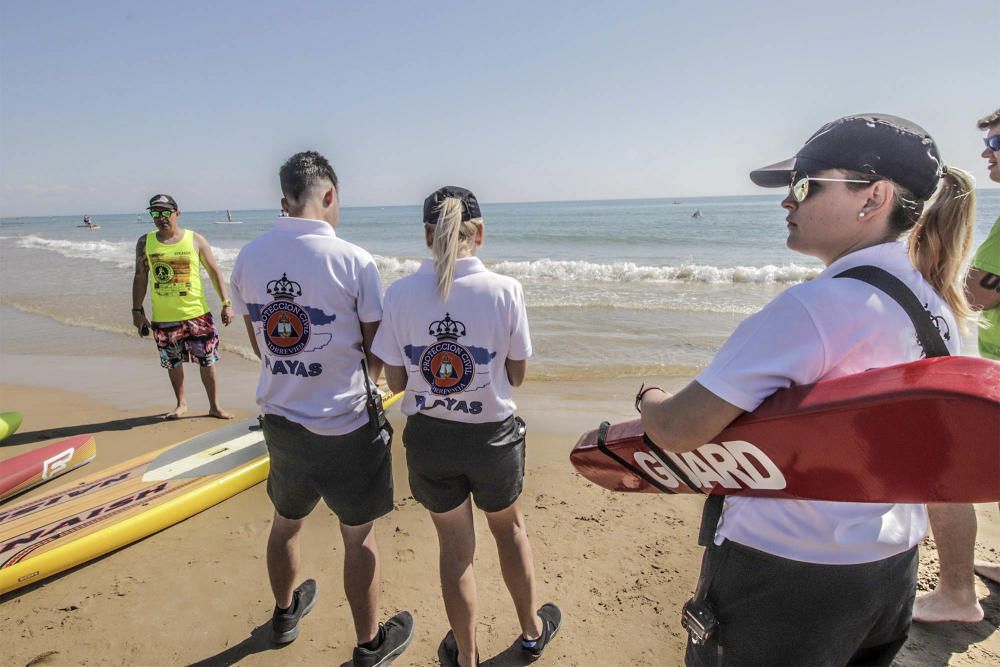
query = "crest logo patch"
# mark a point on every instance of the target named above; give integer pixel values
(286, 324)
(447, 365)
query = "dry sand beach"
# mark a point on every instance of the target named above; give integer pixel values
(620, 566)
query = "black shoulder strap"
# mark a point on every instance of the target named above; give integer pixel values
(923, 321)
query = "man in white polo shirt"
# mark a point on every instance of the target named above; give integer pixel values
(312, 304)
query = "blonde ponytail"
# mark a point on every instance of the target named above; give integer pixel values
(452, 239)
(942, 238)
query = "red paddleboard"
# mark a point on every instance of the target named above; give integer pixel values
(926, 431)
(20, 473)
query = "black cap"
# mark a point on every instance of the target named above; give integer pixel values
(870, 143)
(470, 207)
(162, 201)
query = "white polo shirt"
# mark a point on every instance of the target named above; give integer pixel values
(821, 330)
(306, 290)
(454, 351)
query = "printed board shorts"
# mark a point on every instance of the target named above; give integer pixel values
(352, 473)
(448, 460)
(776, 611)
(194, 340)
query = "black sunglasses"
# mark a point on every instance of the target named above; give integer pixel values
(993, 142)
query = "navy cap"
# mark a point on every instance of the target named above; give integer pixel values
(871, 143)
(432, 205)
(162, 201)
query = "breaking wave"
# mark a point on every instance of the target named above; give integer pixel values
(628, 272)
(119, 253)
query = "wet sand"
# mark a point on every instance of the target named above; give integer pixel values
(619, 565)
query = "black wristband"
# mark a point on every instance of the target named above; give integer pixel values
(138, 310)
(642, 392)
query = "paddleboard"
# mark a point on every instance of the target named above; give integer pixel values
(926, 431)
(9, 423)
(229, 222)
(28, 470)
(88, 226)
(117, 506)
(125, 503)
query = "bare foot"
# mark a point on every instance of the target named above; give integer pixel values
(176, 412)
(936, 607)
(991, 571)
(219, 413)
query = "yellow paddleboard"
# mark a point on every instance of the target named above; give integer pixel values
(125, 503)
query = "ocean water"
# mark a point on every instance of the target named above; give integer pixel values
(624, 288)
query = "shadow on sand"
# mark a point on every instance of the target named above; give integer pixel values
(936, 643)
(22, 438)
(258, 642)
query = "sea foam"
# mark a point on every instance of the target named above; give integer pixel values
(628, 272)
(119, 253)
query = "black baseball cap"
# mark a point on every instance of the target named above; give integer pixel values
(870, 143)
(470, 206)
(162, 201)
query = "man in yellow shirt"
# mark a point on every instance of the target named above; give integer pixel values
(955, 526)
(181, 323)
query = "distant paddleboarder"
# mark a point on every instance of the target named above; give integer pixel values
(794, 582)
(171, 259)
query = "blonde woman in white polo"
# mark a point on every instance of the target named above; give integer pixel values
(455, 336)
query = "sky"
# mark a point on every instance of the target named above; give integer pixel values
(103, 104)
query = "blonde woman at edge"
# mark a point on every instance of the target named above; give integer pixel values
(455, 336)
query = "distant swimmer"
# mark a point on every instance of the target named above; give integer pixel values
(311, 303)
(464, 444)
(799, 582)
(171, 258)
(698, 214)
(954, 526)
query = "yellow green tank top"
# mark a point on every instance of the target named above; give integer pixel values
(175, 275)
(988, 259)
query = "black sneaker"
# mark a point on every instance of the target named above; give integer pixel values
(551, 620)
(448, 651)
(285, 626)
(398, 633)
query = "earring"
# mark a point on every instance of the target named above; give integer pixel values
(861, 215)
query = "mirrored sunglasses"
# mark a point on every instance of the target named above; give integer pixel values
(160, 214)
(993, 142)
(800, 184)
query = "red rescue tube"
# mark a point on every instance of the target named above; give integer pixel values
(926, 431)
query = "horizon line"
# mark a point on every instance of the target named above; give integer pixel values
(495, 203)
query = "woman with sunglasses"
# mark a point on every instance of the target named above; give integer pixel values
(455, 336)
(795, 582)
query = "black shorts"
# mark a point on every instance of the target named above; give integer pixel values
(352, 473)
(448, 460)
(776, 611)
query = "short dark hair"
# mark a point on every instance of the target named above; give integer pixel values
(987, 122)
(302, 171)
